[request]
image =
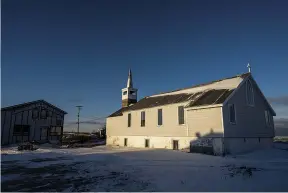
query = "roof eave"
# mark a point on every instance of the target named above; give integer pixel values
(203, 107)
(30, 103)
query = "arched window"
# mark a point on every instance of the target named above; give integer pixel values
(249, 93)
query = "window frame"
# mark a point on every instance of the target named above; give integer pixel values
(59, 122)
(21, 131)
(53, 130)
(49, 113)
(182, 107)
(143, 119)
(158, 111)
(35, 113)
(129, 120)
(235, 117)
(268, 118)
(45, 115)
(252, 104)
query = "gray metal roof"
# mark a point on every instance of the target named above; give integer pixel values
(31, 103)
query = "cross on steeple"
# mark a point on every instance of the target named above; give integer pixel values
(249, 67)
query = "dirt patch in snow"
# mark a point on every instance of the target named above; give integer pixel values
(244, 171)
(73, 176)
(49, 159)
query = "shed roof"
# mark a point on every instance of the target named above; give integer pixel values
(31, 103)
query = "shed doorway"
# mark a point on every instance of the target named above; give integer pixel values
(44, 134)
(125, 142)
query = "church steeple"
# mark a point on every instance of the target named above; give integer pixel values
(129, 81)
(129, 94)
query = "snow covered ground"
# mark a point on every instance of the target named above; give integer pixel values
(129, 169)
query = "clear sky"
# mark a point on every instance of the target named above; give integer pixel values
(72, 52)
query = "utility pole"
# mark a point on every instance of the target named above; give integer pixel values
(78, 115)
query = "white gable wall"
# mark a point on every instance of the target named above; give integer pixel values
(250, 122)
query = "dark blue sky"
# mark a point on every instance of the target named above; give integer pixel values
(72, 52)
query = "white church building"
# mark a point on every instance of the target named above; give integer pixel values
(225, 116)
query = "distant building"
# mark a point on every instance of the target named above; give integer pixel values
(36, 120)
(230, 115)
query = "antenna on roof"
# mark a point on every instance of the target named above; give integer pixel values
(249, 67)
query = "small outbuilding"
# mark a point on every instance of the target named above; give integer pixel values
(32, 121)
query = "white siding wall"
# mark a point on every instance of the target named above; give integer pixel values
(155, 142)
(118, 126)
(206, 122)
(203, 121)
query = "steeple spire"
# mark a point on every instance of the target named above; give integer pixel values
(129, 94)
(129, 81)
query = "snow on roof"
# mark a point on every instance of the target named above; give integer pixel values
(211, 93)
(226, 83)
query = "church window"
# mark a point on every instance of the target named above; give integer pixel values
(232, 114)
(143, 119)
(181, 119)
(249, 93)
(129, 120)
(160, 120)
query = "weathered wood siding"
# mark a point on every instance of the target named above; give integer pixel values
(23, 116)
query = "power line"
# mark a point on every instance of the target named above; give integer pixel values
(71, 122)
